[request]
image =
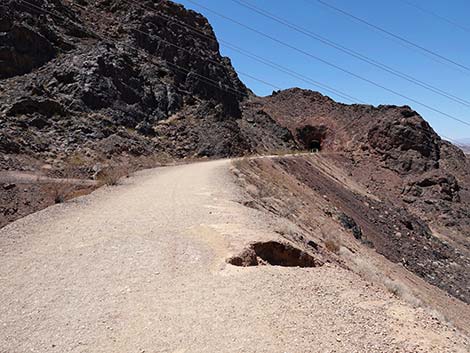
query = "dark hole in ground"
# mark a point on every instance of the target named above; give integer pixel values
(311, 137)
(274, 253)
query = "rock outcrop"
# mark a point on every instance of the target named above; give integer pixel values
(79, 76)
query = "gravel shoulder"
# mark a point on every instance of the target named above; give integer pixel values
(141, 268)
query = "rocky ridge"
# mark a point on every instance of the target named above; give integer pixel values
(112, 78)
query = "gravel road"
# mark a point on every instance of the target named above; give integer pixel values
(141, 268)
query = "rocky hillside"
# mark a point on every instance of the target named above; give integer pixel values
(417, 208)
(392, 149)
(105, 79)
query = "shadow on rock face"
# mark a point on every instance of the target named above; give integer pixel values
(23, 49)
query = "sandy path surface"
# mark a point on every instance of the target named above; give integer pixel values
(141, 268)
(19, 177)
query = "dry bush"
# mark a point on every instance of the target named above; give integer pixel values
(286, 152)
(60, 191)
(290, 205)
(400, 290)
(111, 176)
(290, 231)
(76, 159)
(252, 190)
(287, 228)
(370, 272)
(279, 152)
(162, 158)
(242, 163)
(333, 244)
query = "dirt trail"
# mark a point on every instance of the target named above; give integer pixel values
(19, 177)
(141, 268)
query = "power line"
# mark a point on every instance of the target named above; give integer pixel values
(436, 15)
(191, 53)
(232, 47)
(251, 55)
(362, 78)
(396, 36)
(290, 72)
(214, 83)
(352, 52)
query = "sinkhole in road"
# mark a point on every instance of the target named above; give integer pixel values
(273, 253)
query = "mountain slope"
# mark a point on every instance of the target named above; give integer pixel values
(108, 78)
(419, 215)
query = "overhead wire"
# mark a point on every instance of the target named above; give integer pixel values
(253, 56)
(351, 52)
(436, 15)
(315, 57)
(209, 81)
(25, 2)
(395, 36)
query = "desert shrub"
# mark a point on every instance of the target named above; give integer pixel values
(287, 228)
(111, 176)
(290, 231)
(333, 244)
(370, 272)
(401, 291)
(60, 191)
(76, 159)
(252, 190)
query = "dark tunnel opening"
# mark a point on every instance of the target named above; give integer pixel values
(311, 137)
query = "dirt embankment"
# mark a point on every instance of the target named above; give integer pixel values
(339, 214)
(21, 196)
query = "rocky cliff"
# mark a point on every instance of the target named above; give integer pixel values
(109, 78)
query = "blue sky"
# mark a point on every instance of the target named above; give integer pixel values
(396, 16)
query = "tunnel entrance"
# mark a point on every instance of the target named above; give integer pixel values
(314, 146)
(311, 137)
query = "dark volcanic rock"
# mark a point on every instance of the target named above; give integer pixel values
(22, 49)
(87, 71)
(435, 185)
(108, 80)
(349, 223)
(28, 105)
(395, 231)
(406, 145)
(398, 136)
(422, 182)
